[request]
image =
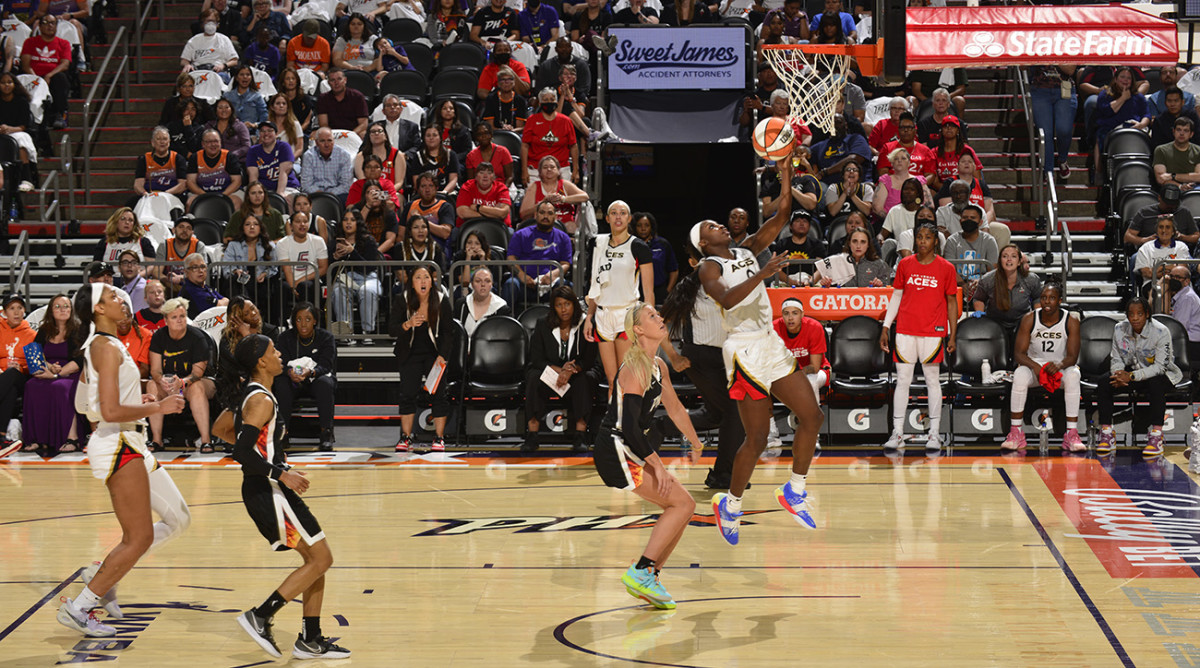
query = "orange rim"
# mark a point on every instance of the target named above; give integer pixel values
(869, 57)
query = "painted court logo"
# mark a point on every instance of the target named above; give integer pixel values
(535, 524)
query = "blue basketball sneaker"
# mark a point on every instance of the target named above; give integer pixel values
(796, 504)
(727, 521)
(644, 584)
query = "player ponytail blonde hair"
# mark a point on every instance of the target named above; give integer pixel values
(636, 359)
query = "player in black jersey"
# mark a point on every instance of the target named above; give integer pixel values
(271, 493)
(626, 460)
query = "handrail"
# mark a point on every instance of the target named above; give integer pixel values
(1067, 246)
(91, 122)
(20, 258)
(141, 16)
(55, 210)
(1020, 76)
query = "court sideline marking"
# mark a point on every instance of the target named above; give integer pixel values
(36, 606)
(1062, 564)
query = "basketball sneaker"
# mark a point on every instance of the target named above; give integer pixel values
(644, 584)
(894, 442)
(84, 622)
(259, 630)
(1104, 446)
(8, 447)
(1016, 440)
(1194, 460)
(404, 444)
(1154, 444)
(935, 441)
(109, 599)
(727, 521)
(321, 648)
(796, 504)
(439, 444)
(1072, 442)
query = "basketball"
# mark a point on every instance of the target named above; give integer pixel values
(773, 139)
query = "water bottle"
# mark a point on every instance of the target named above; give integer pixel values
(976, 314)
(985, 371)
(12, 213)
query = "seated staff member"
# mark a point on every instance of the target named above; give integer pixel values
(805, 337)
(1046, 351)
(558, 343)
(179, 357)
(1141, 361)
(306, 339)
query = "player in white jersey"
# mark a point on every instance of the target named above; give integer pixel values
(271, 492)
(1046, 351)
(618, 260)
(118, 455)
(758, 364)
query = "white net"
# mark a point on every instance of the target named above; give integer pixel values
(814, 83)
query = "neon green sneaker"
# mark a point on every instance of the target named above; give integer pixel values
(644, 584)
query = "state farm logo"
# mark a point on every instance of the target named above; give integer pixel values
(984, 44)
(1046, 43)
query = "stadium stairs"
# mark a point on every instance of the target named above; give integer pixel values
(366, 374)
(992, 103)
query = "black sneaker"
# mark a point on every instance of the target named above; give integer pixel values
(326, 441)
(531, 442)
(259, 630)
(321, 648)
(578, 446)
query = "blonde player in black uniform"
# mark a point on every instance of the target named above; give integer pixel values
(118, 455)
(626, 460)
(271, 493)
(757, 363)
(618, 260)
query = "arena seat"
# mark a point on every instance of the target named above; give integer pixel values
(511, 141)
(1127, 145)
(496, 362)
(421, 57)
(1095, 346)
(495, 231)
(1136, 201)
(463, 56)
(279, 202)
(1179, 346)
(1189, 201)
(215, 206)
(328, 206)
(407, 84)
(402, 31)
(978, 339)
(532, 315)
(208, 231)
(454, 84)
(1130, 177)
(455, 366)
(856, 358)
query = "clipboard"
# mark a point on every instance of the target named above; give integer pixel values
(434, 378)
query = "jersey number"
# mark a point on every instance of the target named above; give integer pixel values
(1047, 346)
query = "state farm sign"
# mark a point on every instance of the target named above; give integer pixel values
(1000, 36)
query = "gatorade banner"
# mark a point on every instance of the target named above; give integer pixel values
(837, 303)
(939, 37)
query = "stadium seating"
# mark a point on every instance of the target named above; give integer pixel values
(214, 206)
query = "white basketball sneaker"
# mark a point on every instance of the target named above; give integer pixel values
(109, 599)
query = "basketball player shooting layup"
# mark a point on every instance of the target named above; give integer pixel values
(758, 364)
(271, 494)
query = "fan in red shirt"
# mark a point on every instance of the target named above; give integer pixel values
(805, 337)
(885, 131)
(924, 162)
(924, 306)
(48, 56)
(484, 196)
(548, 133)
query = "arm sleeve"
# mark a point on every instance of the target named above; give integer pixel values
(245, 454)
(631, 430)
(893, 307)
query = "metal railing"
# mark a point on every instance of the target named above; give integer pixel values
(1066, 245)
(341, 286)
(1021, 77)
(53, 210)
(1156, 283)
(93, 119)
(18, 266)
(271, 298)
(141, 17)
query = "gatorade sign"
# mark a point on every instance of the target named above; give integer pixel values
(939, 37)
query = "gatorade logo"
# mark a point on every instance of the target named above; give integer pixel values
(983, 419)
(425, 420)
(496, 420)
(557, 421)
(918, 419)
(859, 419)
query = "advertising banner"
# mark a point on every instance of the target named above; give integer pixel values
(837, 303)
(678, 59)
(994, 36)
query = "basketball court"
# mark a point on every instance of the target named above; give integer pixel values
(456, 560)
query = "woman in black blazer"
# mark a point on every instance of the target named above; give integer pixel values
(558, 343)
(422, 324)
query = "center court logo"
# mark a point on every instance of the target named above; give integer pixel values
(541, 524)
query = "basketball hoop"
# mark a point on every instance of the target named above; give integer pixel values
(814, 76)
